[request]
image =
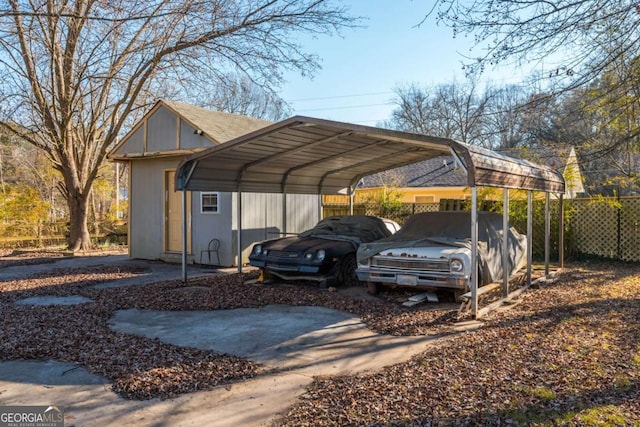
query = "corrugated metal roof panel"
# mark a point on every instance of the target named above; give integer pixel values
(315, 156)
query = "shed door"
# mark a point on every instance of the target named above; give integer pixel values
(173, 215)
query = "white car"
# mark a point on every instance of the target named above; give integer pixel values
(433, 251)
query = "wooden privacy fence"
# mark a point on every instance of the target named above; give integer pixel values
(603, 227)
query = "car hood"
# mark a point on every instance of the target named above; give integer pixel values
(431, 244)
(424, 251)
(303, 244)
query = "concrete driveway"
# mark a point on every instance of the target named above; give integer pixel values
(294, 344)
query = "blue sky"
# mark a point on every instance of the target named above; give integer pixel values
(361, 69)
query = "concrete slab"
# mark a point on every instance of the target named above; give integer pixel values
(156, 270)
(54, 300)
(309, 340)
(295, 343)
(88, 400)
(48, 373)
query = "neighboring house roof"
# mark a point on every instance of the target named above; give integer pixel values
(444, 172)
(437, 172)
(211, 127)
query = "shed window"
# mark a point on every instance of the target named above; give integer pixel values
(209, 203)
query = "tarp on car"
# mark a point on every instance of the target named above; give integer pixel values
(357, 229)
(454, 229)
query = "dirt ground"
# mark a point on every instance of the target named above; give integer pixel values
(76, 325)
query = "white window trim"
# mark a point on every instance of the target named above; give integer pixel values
(208, 193)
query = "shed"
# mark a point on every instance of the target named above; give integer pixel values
(154, 147)
(305, 155)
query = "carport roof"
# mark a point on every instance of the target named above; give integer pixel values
(307, 155)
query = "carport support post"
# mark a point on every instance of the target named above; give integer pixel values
(284, 213)
(505, 242)
(547, 234)
(529, 235)
(474, 251)
(561, 233)
(351, 194)
(184, 236)
(239, 238)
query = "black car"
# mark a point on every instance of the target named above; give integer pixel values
(325, 254)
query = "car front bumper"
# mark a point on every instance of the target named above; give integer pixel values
(413, 278)
(294, 271)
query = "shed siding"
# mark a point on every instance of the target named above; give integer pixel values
(162, 131)
(146, 207)
(262, 217)
(303, 212)
(133, 144)
(209, 226)
(189, 139)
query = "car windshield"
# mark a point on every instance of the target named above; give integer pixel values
(449, 225)
(361, 227)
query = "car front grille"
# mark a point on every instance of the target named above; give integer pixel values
(283, 254)
(411, 264)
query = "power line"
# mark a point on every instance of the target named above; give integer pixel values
(369, 121)
(342, 108)
(339, 96)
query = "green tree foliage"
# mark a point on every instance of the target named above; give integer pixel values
(22, 211)
(25, 165)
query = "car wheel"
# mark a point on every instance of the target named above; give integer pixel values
(347, 275)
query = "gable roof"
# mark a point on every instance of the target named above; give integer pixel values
(215, 127)
(440, 171)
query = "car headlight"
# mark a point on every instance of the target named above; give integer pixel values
(456, 266)
(257, 249)
(308, 256)
(320, 255)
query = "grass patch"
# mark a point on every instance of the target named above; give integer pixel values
(606, 416)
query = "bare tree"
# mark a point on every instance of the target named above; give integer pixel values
(584, 37)
(463, 110)
(508, 112)
(413, 110)
(241, 95)
(451, 110)
(76, 71)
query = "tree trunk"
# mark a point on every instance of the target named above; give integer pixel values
(79, 237)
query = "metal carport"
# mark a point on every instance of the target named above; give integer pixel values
(305, 155)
